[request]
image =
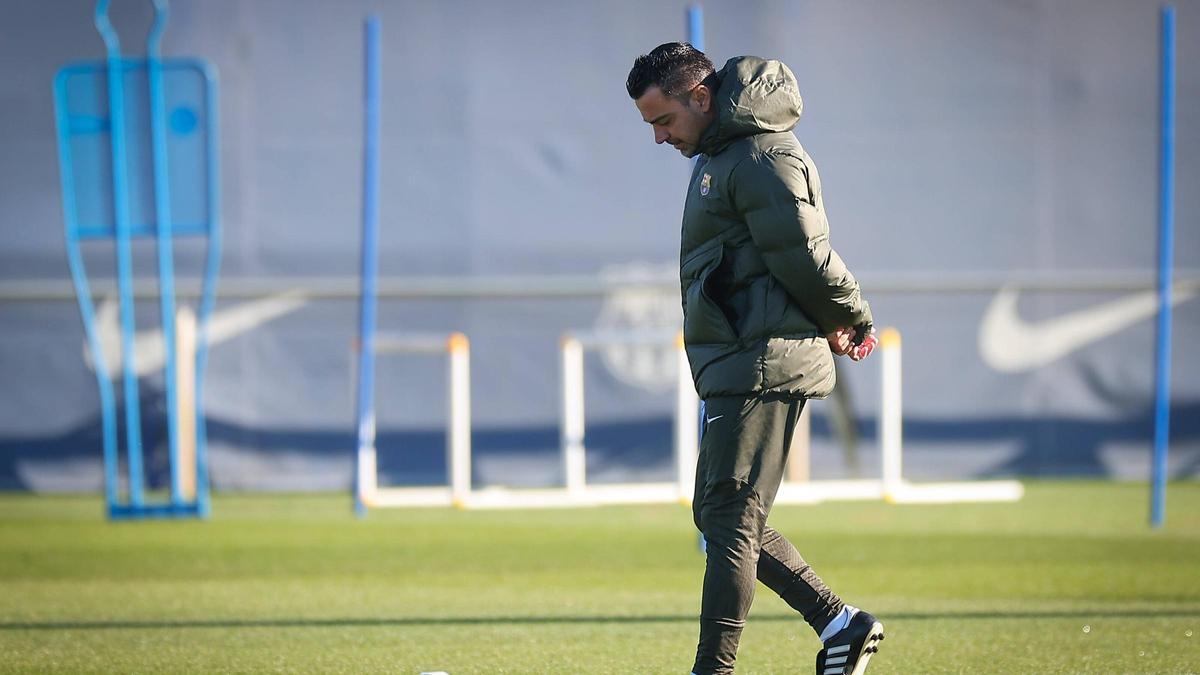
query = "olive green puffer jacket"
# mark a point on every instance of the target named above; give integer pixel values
(761, 284)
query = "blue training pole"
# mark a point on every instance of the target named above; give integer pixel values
(695, 37)
(1166, 245)
(695, 26)
(370, 240)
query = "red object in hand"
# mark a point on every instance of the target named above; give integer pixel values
(862, 351)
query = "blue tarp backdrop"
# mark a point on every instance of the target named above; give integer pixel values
(982, 163)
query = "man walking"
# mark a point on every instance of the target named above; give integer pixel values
(767, 303)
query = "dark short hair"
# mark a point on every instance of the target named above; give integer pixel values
(675, 68)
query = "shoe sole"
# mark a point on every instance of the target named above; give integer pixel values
(869, 648)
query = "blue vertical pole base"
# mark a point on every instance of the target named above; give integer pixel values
(1166, 255)
(159, 511)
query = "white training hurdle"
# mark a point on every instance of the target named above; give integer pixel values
(572, 421)
(576, 491)
(457, 349)
(891, 485)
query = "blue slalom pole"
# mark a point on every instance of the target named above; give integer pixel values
(370, 267)
(1166, 245)
(695, 37)
(695, 26)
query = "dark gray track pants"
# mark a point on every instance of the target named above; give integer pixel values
(741, 463)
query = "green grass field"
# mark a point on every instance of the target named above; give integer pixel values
(1070, 580)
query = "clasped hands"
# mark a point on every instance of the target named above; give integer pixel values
(857, 342)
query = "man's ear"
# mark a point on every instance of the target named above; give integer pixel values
(702, 96)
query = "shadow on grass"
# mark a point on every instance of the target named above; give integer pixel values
(536, 620)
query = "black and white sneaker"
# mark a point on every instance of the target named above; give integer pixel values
(847, 652)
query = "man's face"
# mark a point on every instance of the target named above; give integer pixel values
(677, 122)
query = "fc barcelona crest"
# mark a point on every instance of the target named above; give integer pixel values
(705, 183)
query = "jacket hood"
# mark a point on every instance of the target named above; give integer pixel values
(755, 96)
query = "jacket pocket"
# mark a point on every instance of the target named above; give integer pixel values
(785, 317)
(703, 320)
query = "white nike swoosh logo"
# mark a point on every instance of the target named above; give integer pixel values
(710, 420)
(1012, 345)
(148, 346)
